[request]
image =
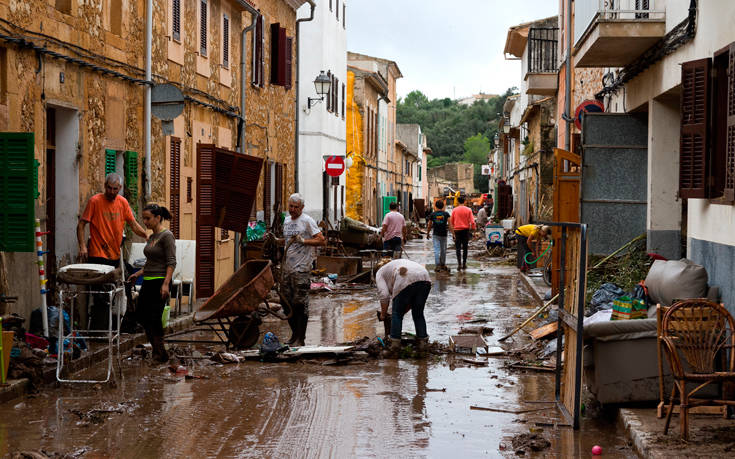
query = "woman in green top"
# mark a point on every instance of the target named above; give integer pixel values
(160, 253)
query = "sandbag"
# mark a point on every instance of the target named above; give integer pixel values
(676, 280)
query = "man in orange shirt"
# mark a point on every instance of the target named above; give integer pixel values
(462, 223)
(106, 214)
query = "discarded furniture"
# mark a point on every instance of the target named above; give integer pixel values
(234, 311)
(620, 361)
(342, 266)
(84, 279)
(696, 334)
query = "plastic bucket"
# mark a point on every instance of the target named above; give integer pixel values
(166, 316)
(494, 234)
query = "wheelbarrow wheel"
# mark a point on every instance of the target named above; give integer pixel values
(244, 331)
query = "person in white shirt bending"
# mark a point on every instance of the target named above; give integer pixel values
(405, 284)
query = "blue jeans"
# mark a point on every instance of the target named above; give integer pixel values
(394, 245)
(413, 296)
(440, 250)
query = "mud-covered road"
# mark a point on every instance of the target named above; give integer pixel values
(378, 408)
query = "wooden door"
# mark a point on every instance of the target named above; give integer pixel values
(567, 173)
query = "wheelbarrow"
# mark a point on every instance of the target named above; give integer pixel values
(234, 311)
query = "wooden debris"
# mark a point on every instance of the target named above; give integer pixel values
(544, 331)
(429, 389)
(518, 366)
(479, 362)
(501, 410)
(478, 330)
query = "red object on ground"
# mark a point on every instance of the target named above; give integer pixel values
(36, 342)
(597, 450)
(335, 166)
(656, 256)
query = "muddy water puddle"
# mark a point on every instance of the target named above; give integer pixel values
(380, 408)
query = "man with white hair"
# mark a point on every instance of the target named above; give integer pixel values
(301, 235)
(106, 213)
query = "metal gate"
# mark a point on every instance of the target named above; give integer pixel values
(614, 177)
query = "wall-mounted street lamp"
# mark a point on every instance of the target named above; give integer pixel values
(322, 84)
(497, 140)
(506, 129)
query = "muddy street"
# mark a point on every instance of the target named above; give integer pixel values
(375, 408)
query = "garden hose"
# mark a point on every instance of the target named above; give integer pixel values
(525, 258)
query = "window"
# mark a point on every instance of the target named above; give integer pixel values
(116, 14)
(258, 65)
(225, 235)
(281, 56)
(225, 41)
(330, 5)
(64, 6)
(203, 28)
(329, 94)
(337, 10)
(176, 20)
(189, 183)
(344, 16)
(343, 100)
(336, 97)
(707, 140)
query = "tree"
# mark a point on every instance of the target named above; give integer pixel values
(476, 149)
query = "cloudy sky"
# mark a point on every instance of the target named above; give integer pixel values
(443, 47)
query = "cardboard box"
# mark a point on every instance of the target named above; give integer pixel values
(466, 344)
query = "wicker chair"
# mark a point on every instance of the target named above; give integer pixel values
(696, 333)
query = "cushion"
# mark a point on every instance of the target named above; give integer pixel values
(676, 280)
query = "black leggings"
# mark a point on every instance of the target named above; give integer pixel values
(149, 309)
(461, 243)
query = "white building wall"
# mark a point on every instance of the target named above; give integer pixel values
(321, 133)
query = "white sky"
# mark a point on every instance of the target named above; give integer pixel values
(443, 47)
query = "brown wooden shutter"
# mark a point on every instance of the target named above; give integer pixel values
(258, 61)
(237, 178)
(205, 221)
(267, 201)
(176, 19)
(288, 65)
(279, 185)
(226, 41)
(175, 185)
(275, 34)
(203, 27)
(282, 52)
(729, 193)
(693, 157)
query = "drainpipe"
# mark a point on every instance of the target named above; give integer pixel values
(568, 79)
(147, 102)
(296, 83)
(254, 14)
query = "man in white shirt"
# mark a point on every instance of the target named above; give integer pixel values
(301, 235)
(406, 284)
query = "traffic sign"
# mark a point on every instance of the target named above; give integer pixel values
(335, 165)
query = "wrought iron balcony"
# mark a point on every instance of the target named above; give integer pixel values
(542, 60)
(613, 33)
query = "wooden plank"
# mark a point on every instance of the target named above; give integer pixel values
(544, 331)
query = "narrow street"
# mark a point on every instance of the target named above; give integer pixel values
(380, 408)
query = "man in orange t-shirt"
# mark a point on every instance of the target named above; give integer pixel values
(462, 223)
(106, 214)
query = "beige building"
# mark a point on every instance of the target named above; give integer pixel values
(78, 86)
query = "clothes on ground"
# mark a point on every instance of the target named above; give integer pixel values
(462, 218)
(414, 297)
(299, 256)
(461, 245)
(393, 223)
(439, 222)
(390, 282)
(295, 289)
(483, 215)
(106, 220)
(440, 250)
(160, 253)
(528, 230)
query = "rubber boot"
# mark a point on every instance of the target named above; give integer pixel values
(293, 324)
(386, 326)
(422, 347)
(300, 330)
(393, 350)
(159, 349)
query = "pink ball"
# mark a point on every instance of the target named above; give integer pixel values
(597, 450)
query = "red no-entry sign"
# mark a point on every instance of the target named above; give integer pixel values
(335, 165)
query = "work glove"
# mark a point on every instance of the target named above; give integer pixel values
(297, 238)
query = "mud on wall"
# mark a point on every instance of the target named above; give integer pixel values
(356, 174)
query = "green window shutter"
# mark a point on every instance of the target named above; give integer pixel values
(18, 175)
(131, 178)
(110, 161)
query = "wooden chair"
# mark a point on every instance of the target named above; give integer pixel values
(695, 333)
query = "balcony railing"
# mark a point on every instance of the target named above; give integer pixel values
(542, 49)
(586, 12)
